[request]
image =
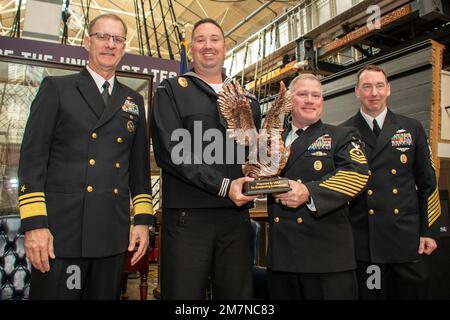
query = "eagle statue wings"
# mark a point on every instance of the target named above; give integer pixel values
(268, 155)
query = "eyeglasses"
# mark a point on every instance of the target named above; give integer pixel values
(305, 95)
(104, 37)
(369, 87)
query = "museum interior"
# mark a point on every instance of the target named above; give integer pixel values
(267, 41)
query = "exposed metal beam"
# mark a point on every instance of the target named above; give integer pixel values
(246, 19)
(203, 9)
(97, 7)
(165, 31)
(155, 32)
(364, 32)
(224, 15)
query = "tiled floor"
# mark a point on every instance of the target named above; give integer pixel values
(134, 281)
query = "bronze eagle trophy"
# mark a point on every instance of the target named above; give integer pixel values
(267, 155)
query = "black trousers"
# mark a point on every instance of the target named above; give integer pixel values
(79, 279)
(203, 246)
(312, 286)
(397, 281)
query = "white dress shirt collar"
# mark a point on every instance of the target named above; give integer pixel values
(99, 80)
(292, 135)
(369, 119)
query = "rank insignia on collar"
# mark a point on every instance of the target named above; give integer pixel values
(130, 107)
(182, 82)
(321, 143)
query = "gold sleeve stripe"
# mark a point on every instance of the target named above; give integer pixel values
(434, 196)
(143, 208)
(33, 210)
(31, 195)
(352, 173)
(434, 216)
(433, 220)
(434, 207)
(142, 197)
(32, 205)
(142, 201)
(343, 186)
(31, 200)
(354, 178)
(346, 182)
(356, 181)
(432, 200)
(347, 189)
(349, 179)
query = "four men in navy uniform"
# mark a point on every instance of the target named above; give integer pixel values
(394, 220)
(84, 152)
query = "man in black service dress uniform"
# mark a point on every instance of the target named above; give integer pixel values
(84, 151)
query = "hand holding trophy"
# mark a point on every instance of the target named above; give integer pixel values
(267, 155)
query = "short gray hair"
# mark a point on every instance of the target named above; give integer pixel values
(107, 16)
(304, 76)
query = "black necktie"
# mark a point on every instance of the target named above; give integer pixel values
(376, 128)
(299, 132)
(105, 93)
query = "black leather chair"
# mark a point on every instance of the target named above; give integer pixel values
(15, 268)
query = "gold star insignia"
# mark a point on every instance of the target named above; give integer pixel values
(23, 188)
